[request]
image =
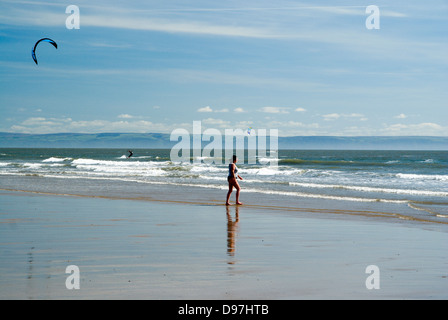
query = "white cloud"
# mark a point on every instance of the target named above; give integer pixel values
(239, 110)
(205, 109)
(293, 124)
(209, 109)
(40, 125)
(300, 110)
(331, 116)
(31, 121)
(335, 116)
(419, 129)
(401, 116)
(274, 110)
(244, 123)
(162, 25)
(294, 128)
(354, 115)
(216, 122)
(41, 121)
(125, 116)
(359, 116)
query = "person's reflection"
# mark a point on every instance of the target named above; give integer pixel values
(232, 229)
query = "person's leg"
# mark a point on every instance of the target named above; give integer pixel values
(238, 188)
(229, 193)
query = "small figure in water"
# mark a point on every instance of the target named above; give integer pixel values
(231, 178)
(130, 154)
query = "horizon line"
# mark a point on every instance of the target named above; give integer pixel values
(140, 133)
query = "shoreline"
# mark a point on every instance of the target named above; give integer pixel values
(214, 202)
(395, 211)
(158, 249)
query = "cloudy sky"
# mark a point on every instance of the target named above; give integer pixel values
(305, 68)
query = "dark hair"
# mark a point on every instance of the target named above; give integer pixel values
(234, 157)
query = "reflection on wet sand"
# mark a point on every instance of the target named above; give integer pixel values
(232, 230)
(30, 283)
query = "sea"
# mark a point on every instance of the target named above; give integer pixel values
(417, 180)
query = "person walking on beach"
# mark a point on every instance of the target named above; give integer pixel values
(233, 183)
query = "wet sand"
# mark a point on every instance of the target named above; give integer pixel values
(201, 249)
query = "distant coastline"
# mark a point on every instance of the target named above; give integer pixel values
(162, 141)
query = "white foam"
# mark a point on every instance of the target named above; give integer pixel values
(205, 168)
(120, 163)
(203, 158)
(55, 159)
(271, 171)
(267, 160)
(32, 165)
(440, 177)
(323, 196)
(221, 178)
(373, 189)
(134, 157)
(55, 165)
(223, 187)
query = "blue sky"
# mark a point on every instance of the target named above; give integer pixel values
(305, 68)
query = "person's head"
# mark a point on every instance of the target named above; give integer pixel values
(234, 159)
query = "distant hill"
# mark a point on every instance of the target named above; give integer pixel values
(365, 143)
(84, 140)
(162, 141)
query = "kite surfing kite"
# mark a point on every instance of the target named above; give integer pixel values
(33, 52)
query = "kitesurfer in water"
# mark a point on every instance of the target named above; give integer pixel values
(130, 153)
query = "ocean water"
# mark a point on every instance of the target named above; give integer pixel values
(417, 179)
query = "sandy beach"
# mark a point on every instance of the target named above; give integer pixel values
(194, 249)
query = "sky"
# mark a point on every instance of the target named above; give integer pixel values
(305, 68)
